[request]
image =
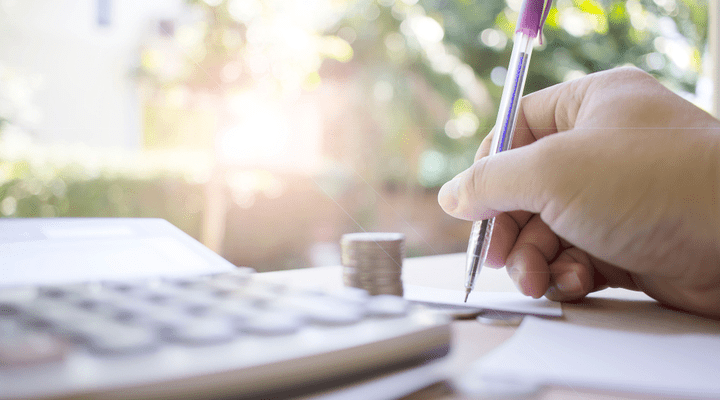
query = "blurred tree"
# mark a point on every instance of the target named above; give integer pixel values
(397, 40)
(408, 88)
(423, 77)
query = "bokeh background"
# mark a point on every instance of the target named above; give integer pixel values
(268, 128)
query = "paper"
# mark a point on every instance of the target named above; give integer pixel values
(390, 386)
(499, 301)
(543, 352)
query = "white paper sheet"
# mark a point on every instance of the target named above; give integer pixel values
(543, 352)
(499, 301)
(388, 387)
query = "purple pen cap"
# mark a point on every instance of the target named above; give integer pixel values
(532, 17)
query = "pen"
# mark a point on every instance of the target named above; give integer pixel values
(530, 21)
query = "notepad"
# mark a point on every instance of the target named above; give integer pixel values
(499, 301)
(544, 352)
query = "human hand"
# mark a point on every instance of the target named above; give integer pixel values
(613, 180)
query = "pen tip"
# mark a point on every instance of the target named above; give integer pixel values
(467, 293)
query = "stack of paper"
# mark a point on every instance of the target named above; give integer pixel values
(514, 302)
(543, 352)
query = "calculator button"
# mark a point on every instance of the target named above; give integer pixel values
(119, 339)
(29, 348)
(128, 312)
(18, 295)
(202, 331)
(125, 286)
(51, 314)
(160, 295)
(386, 305)
(52, 292)
(95, 305)
(79, 331)
(351, 295)
(148, 314)
(220, 288)
(185, 283)
(236, 309)
(69, 292)
(273, 323)
(8, 310)
(8, 328)
(257, 293)
(90, 298)
(320, 309)
(197, 304)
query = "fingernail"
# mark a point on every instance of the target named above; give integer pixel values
(569, 283)
(516, 276)
(448, 195)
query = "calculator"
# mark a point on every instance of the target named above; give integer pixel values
(135, 308)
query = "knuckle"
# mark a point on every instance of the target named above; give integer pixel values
(630, 74)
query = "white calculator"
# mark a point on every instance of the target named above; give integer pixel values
(135, 308)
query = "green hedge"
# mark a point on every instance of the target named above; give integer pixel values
(29, 191)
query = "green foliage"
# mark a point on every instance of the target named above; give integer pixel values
(613, 33)
(29, 192)
(663, 37)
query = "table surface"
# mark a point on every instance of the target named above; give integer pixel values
(609, 308)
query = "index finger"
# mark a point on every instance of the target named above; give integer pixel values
(542, 113)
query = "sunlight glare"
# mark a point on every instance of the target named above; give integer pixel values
(259, 137)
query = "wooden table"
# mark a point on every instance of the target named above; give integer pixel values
(610, 308)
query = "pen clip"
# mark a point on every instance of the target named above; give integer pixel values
(546, 11)
(532, 17)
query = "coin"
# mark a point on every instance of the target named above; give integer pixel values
(500, 318)
(373, 261)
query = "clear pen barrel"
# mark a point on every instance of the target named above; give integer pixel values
(473, 263)
(479, 243)
(512, 93)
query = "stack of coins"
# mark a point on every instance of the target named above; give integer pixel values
(373, 261)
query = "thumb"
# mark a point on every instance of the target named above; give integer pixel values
(507, 181)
